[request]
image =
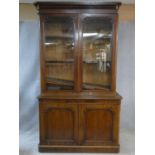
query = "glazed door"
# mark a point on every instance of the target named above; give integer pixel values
(98, 46)
(58, 51)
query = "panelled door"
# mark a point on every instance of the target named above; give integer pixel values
(98, 123)
(58, 123)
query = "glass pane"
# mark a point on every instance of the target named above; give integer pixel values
(97, 38)
(59, 55)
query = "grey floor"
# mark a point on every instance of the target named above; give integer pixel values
(29, 144)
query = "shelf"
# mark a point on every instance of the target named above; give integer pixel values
(61, 82)
(95, 86)
(98, 37)
(58, 84)
(90, 61)
(59, 37)
(72, 61)
(48, 62)
(93, 61)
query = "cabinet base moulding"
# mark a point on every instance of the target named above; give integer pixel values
(101, 149)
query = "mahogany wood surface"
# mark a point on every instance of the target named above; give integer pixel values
(77, 120)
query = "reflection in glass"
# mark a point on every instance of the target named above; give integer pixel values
(97, 37)
(59, 55)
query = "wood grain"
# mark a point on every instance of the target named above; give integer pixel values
(74, 119)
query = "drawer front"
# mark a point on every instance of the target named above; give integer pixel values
(99, 123)
(58, 123)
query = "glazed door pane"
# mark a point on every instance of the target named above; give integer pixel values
(97, 52)
(59, 52)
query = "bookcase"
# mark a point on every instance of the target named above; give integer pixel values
(79, 108)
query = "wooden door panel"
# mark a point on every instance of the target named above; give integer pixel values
(59, 124)
(99, 123)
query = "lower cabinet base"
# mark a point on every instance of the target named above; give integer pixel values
(79, 125)
(56, 148)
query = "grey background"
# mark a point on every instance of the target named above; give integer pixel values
(30, 86)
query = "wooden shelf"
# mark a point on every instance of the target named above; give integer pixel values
(48, 62)
(61, 82)
(59, 37)
(95, 86)
(98, 37)
(72, 61)
(93, 61)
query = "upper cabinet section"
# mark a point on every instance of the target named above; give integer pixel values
(78, 46)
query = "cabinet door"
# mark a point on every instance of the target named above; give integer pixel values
(58, 123)
(99, 123)
(98, 47)
(58, 52)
